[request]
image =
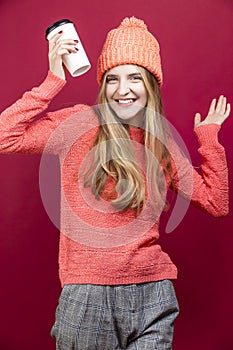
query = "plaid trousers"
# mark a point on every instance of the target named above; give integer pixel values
(132, 317)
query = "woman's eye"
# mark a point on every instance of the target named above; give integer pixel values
(111, 79)
(136, 78)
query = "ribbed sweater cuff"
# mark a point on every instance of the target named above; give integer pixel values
(52, 85)
(207, 134)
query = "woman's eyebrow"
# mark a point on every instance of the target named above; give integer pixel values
(133, 74)
(111, 75)
(129, 75)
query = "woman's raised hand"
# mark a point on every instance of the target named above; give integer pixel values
(58, 48)
(219, 111)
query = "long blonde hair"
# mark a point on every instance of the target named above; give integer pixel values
(114, 155)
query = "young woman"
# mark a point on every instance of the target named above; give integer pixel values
(117, 162)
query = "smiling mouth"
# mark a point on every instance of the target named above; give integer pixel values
(125, 101)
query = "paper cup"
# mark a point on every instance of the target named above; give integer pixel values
(77, 63)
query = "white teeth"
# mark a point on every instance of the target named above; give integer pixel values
(126, 101)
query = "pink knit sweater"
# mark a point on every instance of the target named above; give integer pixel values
(100, 245)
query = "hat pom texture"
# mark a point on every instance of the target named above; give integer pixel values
(130, 43)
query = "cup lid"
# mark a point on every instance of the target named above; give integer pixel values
(55, 25)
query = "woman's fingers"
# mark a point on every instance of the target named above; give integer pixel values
(219, 105)
(212, 106)
(61, 47)
(53, 40)
(228, 110)
(57, 48)
(218, 112)
(197, 119)
(222, 106)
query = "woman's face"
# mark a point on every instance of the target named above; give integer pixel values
(126, 93)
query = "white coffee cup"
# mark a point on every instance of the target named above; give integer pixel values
(77, 63)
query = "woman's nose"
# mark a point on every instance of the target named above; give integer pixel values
(123, 88)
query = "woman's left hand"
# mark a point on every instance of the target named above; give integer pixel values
(219, 111)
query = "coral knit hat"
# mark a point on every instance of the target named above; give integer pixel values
(130, 43)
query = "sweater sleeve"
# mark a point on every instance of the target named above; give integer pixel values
(20, 129)
(208, 190)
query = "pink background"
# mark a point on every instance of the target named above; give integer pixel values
(197, 56)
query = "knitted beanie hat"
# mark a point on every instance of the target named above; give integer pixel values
(130, 43)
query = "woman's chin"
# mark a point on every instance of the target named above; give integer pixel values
(131, 117)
